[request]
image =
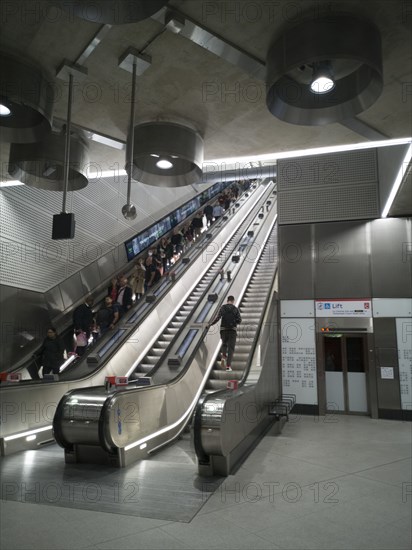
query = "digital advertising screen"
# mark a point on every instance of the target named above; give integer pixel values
(143, 240)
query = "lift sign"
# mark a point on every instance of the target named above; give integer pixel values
(343, 308)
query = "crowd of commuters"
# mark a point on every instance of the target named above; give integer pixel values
(124, 292)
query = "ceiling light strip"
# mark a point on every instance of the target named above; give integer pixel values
(398, 180)
(308, 152)
(10, 183)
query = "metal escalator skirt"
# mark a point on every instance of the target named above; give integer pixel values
(190, 336)
(110, 343)
(139, 313)
(80, 417)
(160, 289)
(219, 286)
(202, 315)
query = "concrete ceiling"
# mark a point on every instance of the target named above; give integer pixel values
(187, 83)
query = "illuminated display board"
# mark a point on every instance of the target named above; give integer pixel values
(143, 240)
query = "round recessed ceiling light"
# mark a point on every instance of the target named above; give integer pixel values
(322, 85)
(164, 164)
(4, 110)
(322, 81)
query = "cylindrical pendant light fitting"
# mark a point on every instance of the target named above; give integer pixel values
(42, 164)
(167, 154)
(350, 48)
(26, 101)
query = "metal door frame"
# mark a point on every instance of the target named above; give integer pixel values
(371, 390)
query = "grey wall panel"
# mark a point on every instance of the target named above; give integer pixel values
(120, 255)
(107, 265)
(333, 169)
(335, 186)
(321, 205)
(90, 276)
(342, 261)
(54, 301)
(295, 262)
(72, 290)
(389, 162)
(35, 266)
(391, 264)
(24, 321)
(386, 356)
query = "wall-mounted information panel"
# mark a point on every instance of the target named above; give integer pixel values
(404, 341)
(299, 360)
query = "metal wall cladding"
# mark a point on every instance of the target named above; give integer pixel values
(331, 187)
(389, 161)
(391, 264)
(295, 262)
(341, 260)
(346, 260)
(24, 323)
(387, 356)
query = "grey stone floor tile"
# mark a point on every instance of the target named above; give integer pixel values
(152, 538)
(217, 531)
(327, 484)
(398, 472)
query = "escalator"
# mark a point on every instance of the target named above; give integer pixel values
(30, 407)
(251, 309)
(211, 284)
(121, 426)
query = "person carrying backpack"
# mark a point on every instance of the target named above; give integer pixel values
(230, 316)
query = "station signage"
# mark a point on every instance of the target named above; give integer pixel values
(343, 308)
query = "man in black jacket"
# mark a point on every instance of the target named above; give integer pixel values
(51, 353)
(83, 317)
(230, 316)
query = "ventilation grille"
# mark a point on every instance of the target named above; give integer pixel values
(324, 205)
(334, 187)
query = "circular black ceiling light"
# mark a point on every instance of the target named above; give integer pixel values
(324, 70)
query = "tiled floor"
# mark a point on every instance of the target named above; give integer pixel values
(341, 482)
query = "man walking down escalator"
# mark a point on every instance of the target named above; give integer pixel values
(230, 316)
